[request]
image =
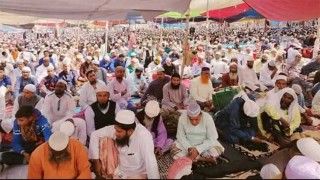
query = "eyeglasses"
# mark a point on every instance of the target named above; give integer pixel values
(58, 109)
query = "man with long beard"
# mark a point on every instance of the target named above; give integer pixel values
(58, 104)
(87, 95)
(139, 84)
(30, 129)
(59, 158)
(248, 77)
(175, 95)
(102, 112)
(201, 90)
(231, 78)
(280, 117)
(258, 65)
(134, 144)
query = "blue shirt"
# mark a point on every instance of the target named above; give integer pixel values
(5, 81)
(42, 130)
(116, 62)
(70, 78)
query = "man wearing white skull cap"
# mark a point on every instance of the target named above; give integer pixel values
(200, 141)
(102, 112)
(72, 127)
(268, 73)
(135, 145)
(238, 120)
(61, 157)
(23, 80)
(301, 167)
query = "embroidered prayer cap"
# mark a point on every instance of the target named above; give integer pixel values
(26, 69)
(160, 69)
(95, 62)
(68, 128)
(193, 109)
(270, 171)
(125, 117)
(302, 167)
(30, 87)
(272, 63)
(62, 81)
(250, 58)
(88, 58)
(152, 109)
(101, 87)
(281, 77)
(309, 148)
(58, 141)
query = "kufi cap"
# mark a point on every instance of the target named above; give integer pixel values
(250, 58)
(58, 141)
(140, 68)
(281, 77)
(270, 171)
(62, 81)
(133, 54)
(88, 58)
(7, 125)
(50, 68)
(101, 87)
(125, 117)
(160, 69)
(297, 88)
(193, 109)
(272, 63)
(26, 69)
(152, 108)
(30, 87)
(135, 60)
(309, 148)
(233, 63)
(20, 61)
(251, 108)
(68, 128)
(301, 167)
(98, 50)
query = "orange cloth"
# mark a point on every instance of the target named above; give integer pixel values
(109, 156)
(77, 168)
(15, 55)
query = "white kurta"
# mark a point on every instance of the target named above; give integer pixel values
(219, 67)
(42, 72)
(199, 91)
(88, 94)
(55, 108)
(80, 132)
(115, 85)
(248, 77)
(265, 76)
(136, 159)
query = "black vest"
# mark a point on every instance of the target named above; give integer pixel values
(101, 120)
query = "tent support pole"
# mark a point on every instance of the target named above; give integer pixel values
(106, 37)
(161, 32)
(207, 31)
(186, 44)
(78, 34)
(317, 42)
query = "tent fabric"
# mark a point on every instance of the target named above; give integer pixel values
(228, 12)
(10, 29)
(201, 5)
(9, 18)
(251, 14)
(177, 15)
(286, 10)
(93, 10)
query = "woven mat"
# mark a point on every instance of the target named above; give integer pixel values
(257, 154)
(163, 163)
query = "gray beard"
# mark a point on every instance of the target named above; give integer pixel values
(233, 75)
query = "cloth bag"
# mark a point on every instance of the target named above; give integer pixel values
(223, 97)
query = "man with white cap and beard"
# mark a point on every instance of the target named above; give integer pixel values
(58, 104)
(23, 80)
(150, 117)
(28, 98)
(267, 74)
(248, 77)
(102, 112)
(47, 84)
(59, 158)
(135, 145)
(42, 70)
(280, 117)
(197, 136)
(231, 78)
(87, 91)
(238, 120)
(72, 127)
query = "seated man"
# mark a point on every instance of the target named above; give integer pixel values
(311, 67)
(117, 62)
(305, 118)
(28, 98)
(197, 136)
(268, 73)
(69, 76)
(150, 117)
(47, 84)
(102, 112)
(42, 70)
(201, 90)
(119, 89)
(139, 84)
(231, 78)
(87, 91)
(134, 144)
(5, 85)
(175, 95)
(61, 158)
(86, 66)
(58, 104)
(23, 80)
(72, 127)
(101, 73)
(30, 130)
(155, 88)
(234, 119)
(280, 117)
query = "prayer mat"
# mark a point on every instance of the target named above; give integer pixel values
(163, 163)
(257, 154)
(241, 175)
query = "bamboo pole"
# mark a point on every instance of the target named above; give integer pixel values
(186, 46)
